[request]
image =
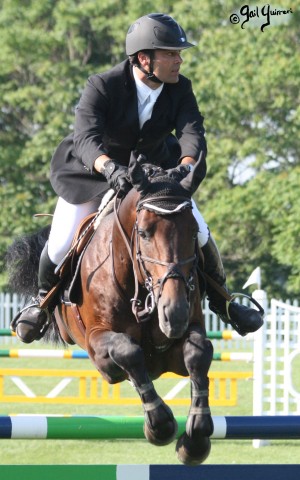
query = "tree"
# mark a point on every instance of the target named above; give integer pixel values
(247, 86)
(49, 49)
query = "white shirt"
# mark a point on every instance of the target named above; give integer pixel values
(146, 98)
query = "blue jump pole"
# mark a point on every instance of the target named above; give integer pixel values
(116, 427)
(150, 472)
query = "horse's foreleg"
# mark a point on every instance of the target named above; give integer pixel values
(122, 351)
(193, 446)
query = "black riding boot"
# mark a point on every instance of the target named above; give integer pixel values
(243, 319)
(32, 322)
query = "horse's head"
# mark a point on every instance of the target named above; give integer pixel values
(165, 236)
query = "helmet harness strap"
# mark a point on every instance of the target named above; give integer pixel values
(150, 75)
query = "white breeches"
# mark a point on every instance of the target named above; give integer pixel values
(203, 234)
(67, 218)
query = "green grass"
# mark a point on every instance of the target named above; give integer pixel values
(130, 451)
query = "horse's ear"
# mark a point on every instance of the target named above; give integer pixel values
(192, 181)
(138, 177)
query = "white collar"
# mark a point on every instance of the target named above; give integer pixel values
(143, 91)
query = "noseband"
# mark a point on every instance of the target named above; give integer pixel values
(174, 269)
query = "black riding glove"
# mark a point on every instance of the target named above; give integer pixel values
(179, 172)
(116, 176)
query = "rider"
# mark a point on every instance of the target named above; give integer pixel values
(132, 107)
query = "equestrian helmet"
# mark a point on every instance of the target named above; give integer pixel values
(155, 31)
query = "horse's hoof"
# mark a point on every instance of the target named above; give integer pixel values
(192, 453)
(163, 435)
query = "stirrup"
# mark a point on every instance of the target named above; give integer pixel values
(13, 323)
(32, 322)
(252, 300)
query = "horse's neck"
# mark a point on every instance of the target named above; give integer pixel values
(125, 215)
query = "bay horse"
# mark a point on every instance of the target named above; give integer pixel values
(139, 312)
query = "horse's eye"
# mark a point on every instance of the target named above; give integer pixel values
(142, 233)
(195, 235)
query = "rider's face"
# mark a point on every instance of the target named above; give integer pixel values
(166, 65)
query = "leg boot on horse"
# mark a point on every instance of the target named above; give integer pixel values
(118, 356)
(32, 322)
(243, 319)
(193, 446)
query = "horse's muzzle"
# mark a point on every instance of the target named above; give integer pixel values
(173, 318)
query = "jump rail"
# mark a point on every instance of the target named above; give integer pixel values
(118, 427)
(81, 354)
(212, 335)
(150, 472)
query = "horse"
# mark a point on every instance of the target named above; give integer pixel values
(138, 314)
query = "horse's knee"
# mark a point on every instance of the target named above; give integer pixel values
(98, 346)
(125, 351)
(198, 352)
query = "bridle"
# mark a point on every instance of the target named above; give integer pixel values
(173, 269)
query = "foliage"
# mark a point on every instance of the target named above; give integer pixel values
(250, 98)
(247, 86)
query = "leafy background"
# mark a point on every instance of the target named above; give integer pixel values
(247, 86)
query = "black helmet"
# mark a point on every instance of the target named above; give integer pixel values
(154, 31)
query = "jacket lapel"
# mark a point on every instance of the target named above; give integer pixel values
(130, 100)
(132, 111)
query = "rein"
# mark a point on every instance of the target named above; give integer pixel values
(173, 269)
(144, 315)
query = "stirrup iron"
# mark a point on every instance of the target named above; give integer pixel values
(252, 300)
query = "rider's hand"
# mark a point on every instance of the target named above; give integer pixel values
(180, 172)
(116, 176)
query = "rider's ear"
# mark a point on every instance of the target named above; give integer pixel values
(143, 58)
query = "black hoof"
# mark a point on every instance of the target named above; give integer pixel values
(192, 453)
(163, 435)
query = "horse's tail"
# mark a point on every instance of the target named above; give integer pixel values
(22, 262)
(22, 265)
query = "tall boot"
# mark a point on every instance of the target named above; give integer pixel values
(32, 321)
(243, 319)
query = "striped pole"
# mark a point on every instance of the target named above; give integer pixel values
(212, 335)
(227, 335)
(6, 332)
(117, 427)
(150, 472)
(43, 353)
(81, 354)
